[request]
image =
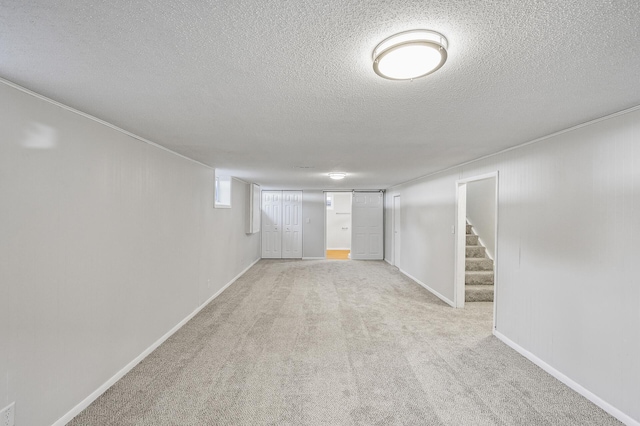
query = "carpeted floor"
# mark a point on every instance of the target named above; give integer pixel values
(337, 343)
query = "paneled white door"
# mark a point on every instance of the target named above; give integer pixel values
(367, 226)
(271, 224)
(281, 224)
(292, 224)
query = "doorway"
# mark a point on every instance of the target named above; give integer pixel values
(476, 240)
(338, 225)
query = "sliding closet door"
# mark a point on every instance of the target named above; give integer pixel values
(367, 226)
(271, 224)
(292, 224)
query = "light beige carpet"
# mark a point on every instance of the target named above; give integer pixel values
(337, 343)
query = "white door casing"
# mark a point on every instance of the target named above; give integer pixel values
(460, 258)
(461, 244)
(291, 224)
(367, 226)
(271, 224)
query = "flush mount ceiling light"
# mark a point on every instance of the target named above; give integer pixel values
(337, 176)
(410, 54)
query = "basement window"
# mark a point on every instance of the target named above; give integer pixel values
(222, 192)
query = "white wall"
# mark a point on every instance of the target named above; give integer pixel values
(567, 286)
(106, 242)
(339, 222)
(426, 217)
(481, 211)
(4, 309)
(312, 224)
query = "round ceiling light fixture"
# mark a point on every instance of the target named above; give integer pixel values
(337, 176)
(410, 54)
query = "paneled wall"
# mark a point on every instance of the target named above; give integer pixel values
(567, 250)
(107, 243)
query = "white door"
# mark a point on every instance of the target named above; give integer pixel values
(367, 226)
(271, 224)
(396, 231)
(292, 224)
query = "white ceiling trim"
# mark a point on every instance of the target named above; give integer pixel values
(97, 120)
(534, 141)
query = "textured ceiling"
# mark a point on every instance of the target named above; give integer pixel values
(256, 88)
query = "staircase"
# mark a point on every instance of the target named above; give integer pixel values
(478, 270)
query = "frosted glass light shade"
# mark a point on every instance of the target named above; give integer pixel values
(410, 54)
(337, 176)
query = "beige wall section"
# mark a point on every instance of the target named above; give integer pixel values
(567, 286)
(4, 310)
(107, 243)
(481, 211)
(312, 224)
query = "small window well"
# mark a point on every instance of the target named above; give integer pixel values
(222, 192)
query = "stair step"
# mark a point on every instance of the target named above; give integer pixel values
(478, 293)
(469, 229)
(478, 264)
(475, 251)
(478, 277)
(472, 240)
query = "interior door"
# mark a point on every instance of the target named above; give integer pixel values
(292, 224)
(271, 224)
(367, 226)
(396, 231)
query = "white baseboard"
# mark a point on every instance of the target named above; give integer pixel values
(313, 258)
(624, 418)
(339, 248)
(102, 389)
(389, 262)
(440, 296)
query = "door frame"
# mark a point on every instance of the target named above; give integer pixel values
(325, 192)
(460, 244)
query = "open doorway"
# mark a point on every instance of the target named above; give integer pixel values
(338, 225)
(476, 242)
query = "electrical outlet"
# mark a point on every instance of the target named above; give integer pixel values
(7, 415)
(208, 283)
